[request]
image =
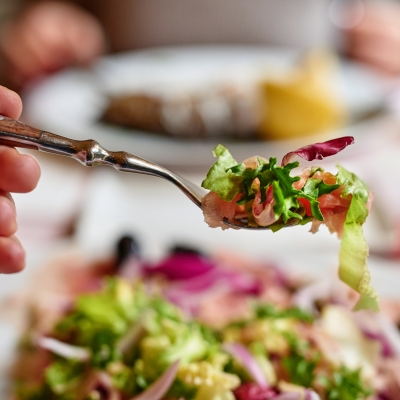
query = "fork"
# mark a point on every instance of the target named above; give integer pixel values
(91, 154)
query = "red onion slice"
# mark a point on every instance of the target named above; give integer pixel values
(157, 389)
(248, 361)
(64, 349)
(311, 395)
(390, 332)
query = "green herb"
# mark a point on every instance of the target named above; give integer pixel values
(62, 376)
(179, 390)
(104, 350)
(269, 311)
(301, 370)
(123, 378)
(302, 361)
(345, 384)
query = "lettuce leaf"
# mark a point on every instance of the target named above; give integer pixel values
(352, 184)
(220, 179)
(353, 254)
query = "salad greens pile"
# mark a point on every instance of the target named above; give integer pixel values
(228, 179)
(248, 187)
(130, 339)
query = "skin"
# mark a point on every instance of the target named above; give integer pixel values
(375, 38)
(19, 174)
(55, 34)
(51, 35)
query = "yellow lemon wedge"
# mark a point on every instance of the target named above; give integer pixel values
(302, 102)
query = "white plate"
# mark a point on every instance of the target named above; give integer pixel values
(70, 103)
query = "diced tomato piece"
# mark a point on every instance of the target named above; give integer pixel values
(306, 204)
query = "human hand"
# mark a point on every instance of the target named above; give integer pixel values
(46, 37)
(374, 38)
(19, 173)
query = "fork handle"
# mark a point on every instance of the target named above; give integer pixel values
(88, 152)
(15, 133)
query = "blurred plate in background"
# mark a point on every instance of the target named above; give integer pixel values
(71, 102)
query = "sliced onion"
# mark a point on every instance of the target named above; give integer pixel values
(64, 349)
(132, 337)
(311, 395)
(157, 389)
(248, 361)
(99, 381)
(236, 281)
(382, 339)
(318, 151)
(380, 328)
(305, 298)
(391, 333)
(190, 293)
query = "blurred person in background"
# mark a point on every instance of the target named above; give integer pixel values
(372, 34)
(39, 37)
(19, 173)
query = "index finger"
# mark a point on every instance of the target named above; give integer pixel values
(10, 103)
(19, 172)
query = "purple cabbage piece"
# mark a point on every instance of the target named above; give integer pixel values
(318, 151)
(181, 266)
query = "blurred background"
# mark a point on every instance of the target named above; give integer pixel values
(168, 80)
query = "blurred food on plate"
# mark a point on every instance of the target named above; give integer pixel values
(223, 110)
(304, 101)
(285, 104)
(194, 326)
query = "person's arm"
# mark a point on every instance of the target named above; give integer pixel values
(47, 36)
(19, 173)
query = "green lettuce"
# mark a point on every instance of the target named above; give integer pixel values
(353, 254)
(229, 179)
(219, 179)
(352, 184)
